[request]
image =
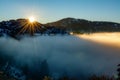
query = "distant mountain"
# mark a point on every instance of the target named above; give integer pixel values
(15, 28)
(85, 26)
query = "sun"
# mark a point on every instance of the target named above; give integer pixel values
(30, 26)
(31, 19)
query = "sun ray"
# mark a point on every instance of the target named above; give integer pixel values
(23, 28)
(29, 26)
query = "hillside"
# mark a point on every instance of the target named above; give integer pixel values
(85, 26)
(15, 28)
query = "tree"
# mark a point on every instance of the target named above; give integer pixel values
(44, 69)
(47, 78)
(118, 70)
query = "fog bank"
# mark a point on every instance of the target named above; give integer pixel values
(64, 54)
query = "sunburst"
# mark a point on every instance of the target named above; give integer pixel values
(31, 19)
(30, 26)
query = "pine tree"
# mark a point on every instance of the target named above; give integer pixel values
(118, 72)
(44, 69)
(47, 78)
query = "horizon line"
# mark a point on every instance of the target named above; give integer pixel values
(64, 18)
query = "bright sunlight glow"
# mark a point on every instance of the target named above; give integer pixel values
(31, 26)
(104, 38)
(31, 19)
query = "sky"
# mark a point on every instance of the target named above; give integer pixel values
(51, 10)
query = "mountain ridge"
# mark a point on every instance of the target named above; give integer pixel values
(82, 19)
(17, 27)
(85, 26)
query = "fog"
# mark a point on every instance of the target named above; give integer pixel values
(73, 55)
(111, 39)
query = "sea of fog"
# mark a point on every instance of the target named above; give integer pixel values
(75, 55)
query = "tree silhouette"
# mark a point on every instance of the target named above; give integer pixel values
(118, 70)
(47, 78)
(44, 69)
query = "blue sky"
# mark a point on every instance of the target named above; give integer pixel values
(52, 10)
